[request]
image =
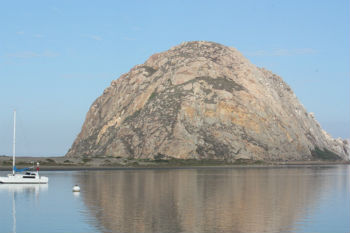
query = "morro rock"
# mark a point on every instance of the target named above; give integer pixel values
(202, 100)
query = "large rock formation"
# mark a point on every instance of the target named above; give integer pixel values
(202, 100)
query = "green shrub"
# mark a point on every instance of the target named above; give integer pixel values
(324, 154)
(134, 163)
(159, 156)
(152, 96)
(7, 163)
(149, 70)
(23, 163)
(133, 116)
(86, 160)
(50, 161)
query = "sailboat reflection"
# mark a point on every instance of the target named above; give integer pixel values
(21, 189)
(24, 188)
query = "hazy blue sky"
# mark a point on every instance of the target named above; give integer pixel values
(56, 57)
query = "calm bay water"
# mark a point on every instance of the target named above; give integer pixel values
(297, 199)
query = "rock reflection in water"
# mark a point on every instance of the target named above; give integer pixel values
(201, 200)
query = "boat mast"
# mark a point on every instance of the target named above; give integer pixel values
(14, 142)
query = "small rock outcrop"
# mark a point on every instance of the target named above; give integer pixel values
(202, 100)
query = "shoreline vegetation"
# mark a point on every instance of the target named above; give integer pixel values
(105, 163)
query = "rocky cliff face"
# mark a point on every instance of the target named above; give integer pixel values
(202, 100)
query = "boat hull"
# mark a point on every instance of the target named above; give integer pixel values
(19, 179)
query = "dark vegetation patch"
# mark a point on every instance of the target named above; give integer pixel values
(24, 163)
(222, 83)
(135, 164)
(248, 162)
(190, 162)
(324, 154)
(210, 162)
(197, 162)
(132, 116)
(7, 163)
(219, 83)
(152, 96)
(86, 160)
(159, 157)
(169, 161)
(50, 161)
(150, 70)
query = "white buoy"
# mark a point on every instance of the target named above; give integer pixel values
(76, 188)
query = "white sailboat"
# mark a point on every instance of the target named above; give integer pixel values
(29, 177)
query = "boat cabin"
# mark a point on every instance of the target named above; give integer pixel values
(29, 175)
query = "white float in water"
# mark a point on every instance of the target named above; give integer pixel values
(76, 188)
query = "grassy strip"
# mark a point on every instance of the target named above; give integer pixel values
(196, 162)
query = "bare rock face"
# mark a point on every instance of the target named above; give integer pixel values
(202, 100)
